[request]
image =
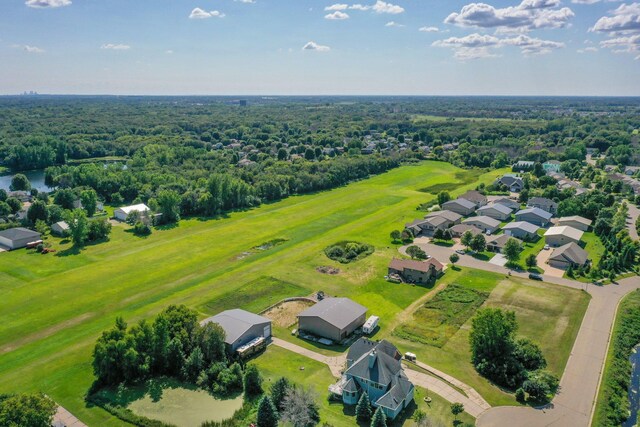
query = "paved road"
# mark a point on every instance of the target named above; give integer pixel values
(574, 403)
(473, 403)
(65, 418)
(634, 212)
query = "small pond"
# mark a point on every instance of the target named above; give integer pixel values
(185, 407)
(36, 177)
(634, 398)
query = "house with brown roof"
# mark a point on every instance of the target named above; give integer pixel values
(475, 197)
(497, 243)
(459, 229)
(412, 271)
(575, 221)
(567, 255)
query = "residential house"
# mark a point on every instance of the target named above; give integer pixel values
(332, 318)
(631, 170)
(60, 228)
(415, 226)
(575, 221)
(535, 216)
(454, 218)
(495, 211)
(543, 203)
(122, 213)
(412, 271)
(459, 229)
(487, 224)
(510, 203)
(375, 367)
(522, 230)
(241, 327)
(497, 243)
(514, 183)
(567, 255)
(18, 237)
(460, 206)
(561, 235)
(552, 166)
(475, 197)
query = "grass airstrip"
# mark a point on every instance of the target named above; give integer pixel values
(54, 306)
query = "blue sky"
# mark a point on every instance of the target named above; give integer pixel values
(235, 47)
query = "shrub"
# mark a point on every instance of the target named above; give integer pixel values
(141, 229)
(348, 251)
(520, 395)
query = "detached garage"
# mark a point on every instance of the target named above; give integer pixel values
(332, 318)
(241, 327)
(122, 213)
(19, 237)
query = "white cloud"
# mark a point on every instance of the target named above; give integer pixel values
(112, 46)
(393, 24)
(429, 29)
(168, 52)
(198, 13)
(41, 4)
(336, 16)
(32, 49)
(475, 46)
(527, 16)
(384, 7)
(315, 46)
(624, 19)
(337, 6)
(246, 1)
(359, 6)
(584, 1)
(587, 49)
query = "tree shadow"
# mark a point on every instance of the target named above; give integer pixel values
(168, 226)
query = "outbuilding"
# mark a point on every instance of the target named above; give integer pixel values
(19, 237)
(60, 228)
(332, 318)
(460, 206)
(241, 327)
(559, 236)
(122, 213)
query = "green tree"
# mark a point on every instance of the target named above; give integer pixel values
(454, 258)
(467, 239)
(169, 205)
(309, 154)
(267, 414)
(282, 154)
(443, 197)
(396, 236)
(89, 200)
(420, 418)
(379, 419)
(30, 410)
(511, 250)
(98, 229)
(78, 226)
(279, 391)
(37, 212)
(531, 261)
(363, 408)
(457, 409)
(300, 408)
(252, 381)
(416, 253)
(20, 182)
(64, 198)
(478, 243)
(14, 204)
(438, 234)
(5, 209)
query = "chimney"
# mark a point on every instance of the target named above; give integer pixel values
(372, 359)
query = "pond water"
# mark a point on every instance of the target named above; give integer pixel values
(36, 177)
(185, 407)
(634, 395)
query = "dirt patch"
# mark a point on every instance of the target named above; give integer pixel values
(324, 269)
(285, 314)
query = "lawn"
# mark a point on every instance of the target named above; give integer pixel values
(549, 315)
(277, 362)
(532, 248)
(55, 306)
(593, 246)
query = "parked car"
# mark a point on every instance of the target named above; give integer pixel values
(460, 252)
(534, 276)
(546, 247)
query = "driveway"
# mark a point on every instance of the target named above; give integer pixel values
(634, 212)
(542, 258)
(499, 260)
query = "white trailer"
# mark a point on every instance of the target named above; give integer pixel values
(370, 325)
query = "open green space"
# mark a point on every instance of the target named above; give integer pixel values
(461, 178)
(54, 307)
(549, 315)
(441, 317)
(593, 246)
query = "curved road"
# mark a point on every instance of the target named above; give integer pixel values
(574, 403)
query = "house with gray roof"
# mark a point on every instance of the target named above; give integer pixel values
(522, 230)
(497, 243)
(375, 367)
(535, 216)
(332, 318)
(575, 221)
(241, 327)
(561, 235)
(567, 255)
(510, 203)
(485, 223)
(475, 197)
(514, 183)
(16, 238)
(543, 203)
(452, 217)
(460, 206)
(459, 229)
(495, 211)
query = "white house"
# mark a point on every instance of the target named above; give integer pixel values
(121, 213)
(575, 221)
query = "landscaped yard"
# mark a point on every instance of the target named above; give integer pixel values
(55, 306)
(549, 315)
(593, 246)
(532, 248)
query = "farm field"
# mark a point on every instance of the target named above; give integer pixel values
(55, 306)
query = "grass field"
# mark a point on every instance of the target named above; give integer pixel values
(54, 307)
(549, 315)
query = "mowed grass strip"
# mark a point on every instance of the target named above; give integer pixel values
(441, 317)
(194, 263)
